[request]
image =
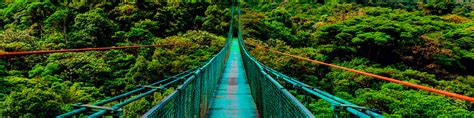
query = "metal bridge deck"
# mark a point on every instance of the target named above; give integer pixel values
(233, 97)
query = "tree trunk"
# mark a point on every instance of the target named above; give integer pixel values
(64, 31)
(41, 29)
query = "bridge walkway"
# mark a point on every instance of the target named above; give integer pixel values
(233, 97)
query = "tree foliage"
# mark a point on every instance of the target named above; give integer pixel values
(424, 43)
(47, 85)
(428, 44)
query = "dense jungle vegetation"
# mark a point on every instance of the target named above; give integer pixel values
(430, 44)
(427, 44)
(47, 85)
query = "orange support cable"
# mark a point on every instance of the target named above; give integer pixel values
(79, 50)
(442, 92)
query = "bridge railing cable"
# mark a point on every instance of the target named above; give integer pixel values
(333, 100)
(421, 87)
(271, 98)
(191, 99)
(340, 102)
(116, 108)
(82, 108)
(80, 49)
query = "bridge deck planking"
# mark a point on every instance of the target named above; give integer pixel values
(233, 97)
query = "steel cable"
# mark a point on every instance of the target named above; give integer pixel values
(441, 92)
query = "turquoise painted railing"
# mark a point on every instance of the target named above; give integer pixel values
(115, 109)
(262, 80)
(192, 98)
(272, 99)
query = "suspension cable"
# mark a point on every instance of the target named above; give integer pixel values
(442, 92)
(81, 49)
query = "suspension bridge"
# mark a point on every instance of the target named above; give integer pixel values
(231, 84)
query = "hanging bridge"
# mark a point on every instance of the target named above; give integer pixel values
(231, 84)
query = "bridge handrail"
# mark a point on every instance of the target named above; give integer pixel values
(335, 101)
(220, 57)
(192, 98)
(286, 105)
(142, 88)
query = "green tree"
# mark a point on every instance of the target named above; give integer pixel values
(90, 27)
(58, 22)
(38, 11)
(32, 102)
(12, 40)
(216, 20)
(142, 31)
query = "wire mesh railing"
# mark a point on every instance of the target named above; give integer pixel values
(97, 109)
(192, 98)
(264, 84)
(271, 98)
(337, 104)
